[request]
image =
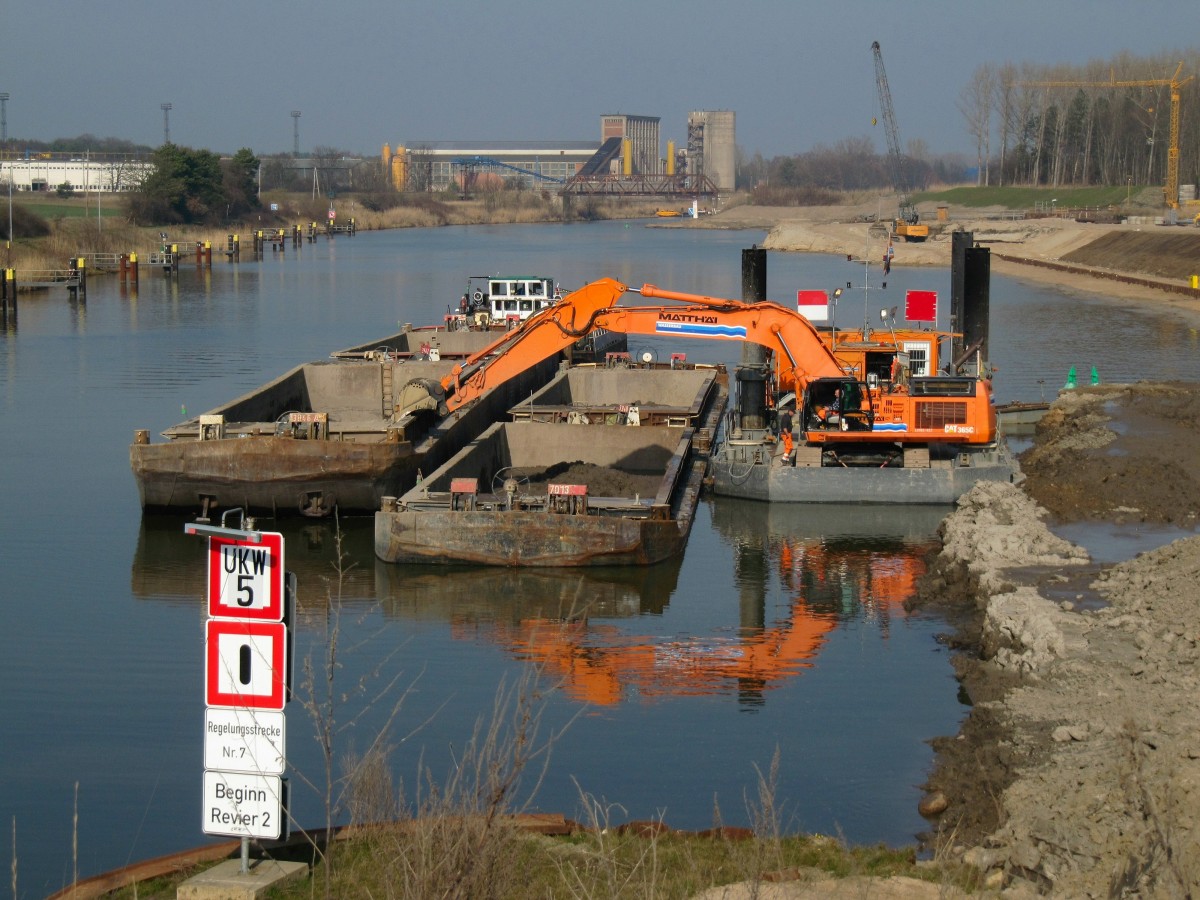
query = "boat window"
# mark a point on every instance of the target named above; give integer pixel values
(519, 288)
(537, 289)
(510, 305)
(526, 306)
(498, 288)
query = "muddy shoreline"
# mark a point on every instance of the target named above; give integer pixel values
(1077, 771)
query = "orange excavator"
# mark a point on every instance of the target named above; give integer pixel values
(834, 407)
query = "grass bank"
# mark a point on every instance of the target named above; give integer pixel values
(473, 858)
(72, 227)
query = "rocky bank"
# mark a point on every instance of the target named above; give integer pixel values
(1077, 772)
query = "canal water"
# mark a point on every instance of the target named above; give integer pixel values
(780, 632)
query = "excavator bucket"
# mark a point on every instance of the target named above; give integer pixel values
(421, 395)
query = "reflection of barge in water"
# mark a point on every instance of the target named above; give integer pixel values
(603, 467)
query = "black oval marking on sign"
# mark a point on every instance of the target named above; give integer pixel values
(244, 664)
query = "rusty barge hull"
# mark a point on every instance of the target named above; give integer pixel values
(542, 491)
(530, 539)
(320, 438)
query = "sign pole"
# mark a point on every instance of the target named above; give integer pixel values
(246, 682)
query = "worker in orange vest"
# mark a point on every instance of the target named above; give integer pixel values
(785, 431)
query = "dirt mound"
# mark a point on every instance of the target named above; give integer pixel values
(601, 481)
(1160, 254)
(1120, 452)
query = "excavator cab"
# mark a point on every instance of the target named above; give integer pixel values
(836, 404)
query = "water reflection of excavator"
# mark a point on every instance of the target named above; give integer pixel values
(825, 582)
(860, 409)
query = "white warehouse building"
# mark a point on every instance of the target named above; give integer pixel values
(48, 171)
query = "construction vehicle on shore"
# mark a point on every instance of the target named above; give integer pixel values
(847, 414)
(907, 225)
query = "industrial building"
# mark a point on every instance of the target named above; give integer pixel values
(642, 134)
(626, 161)
(712, 146)
(438, 165)
(49, 171)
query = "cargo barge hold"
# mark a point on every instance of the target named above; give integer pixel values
(603, 467)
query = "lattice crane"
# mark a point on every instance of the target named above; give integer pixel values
(906, 225)
(1175, 83)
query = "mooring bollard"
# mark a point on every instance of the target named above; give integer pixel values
(81, 268)
(133, 268)
(208, 254)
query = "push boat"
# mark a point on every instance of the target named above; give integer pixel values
(602, 467)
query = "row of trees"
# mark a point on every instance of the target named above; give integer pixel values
(1082, 125)
(849, 165)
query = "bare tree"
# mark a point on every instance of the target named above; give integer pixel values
(975, 103)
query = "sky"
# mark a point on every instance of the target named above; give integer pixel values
(797, 73)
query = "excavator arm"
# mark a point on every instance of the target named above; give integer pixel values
(799, 351)
(961, 412)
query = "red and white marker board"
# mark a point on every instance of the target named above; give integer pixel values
(813, 305)
(245, 579)
(245, 664)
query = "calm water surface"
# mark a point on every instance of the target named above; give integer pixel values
(780, 629)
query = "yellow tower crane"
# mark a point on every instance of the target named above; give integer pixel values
(1171, 191)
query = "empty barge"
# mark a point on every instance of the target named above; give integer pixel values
(344, 433)
(326, 435)
(602, 467)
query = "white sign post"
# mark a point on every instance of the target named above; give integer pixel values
(246, 684)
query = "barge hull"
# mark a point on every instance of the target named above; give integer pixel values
(525, 539)
(941, 483)
(350, 470)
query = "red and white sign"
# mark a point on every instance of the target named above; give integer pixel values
(920, 306)
(813, 305)
(245, 579)
(245, 664)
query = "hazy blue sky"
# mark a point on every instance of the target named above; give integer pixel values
(365, 72)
